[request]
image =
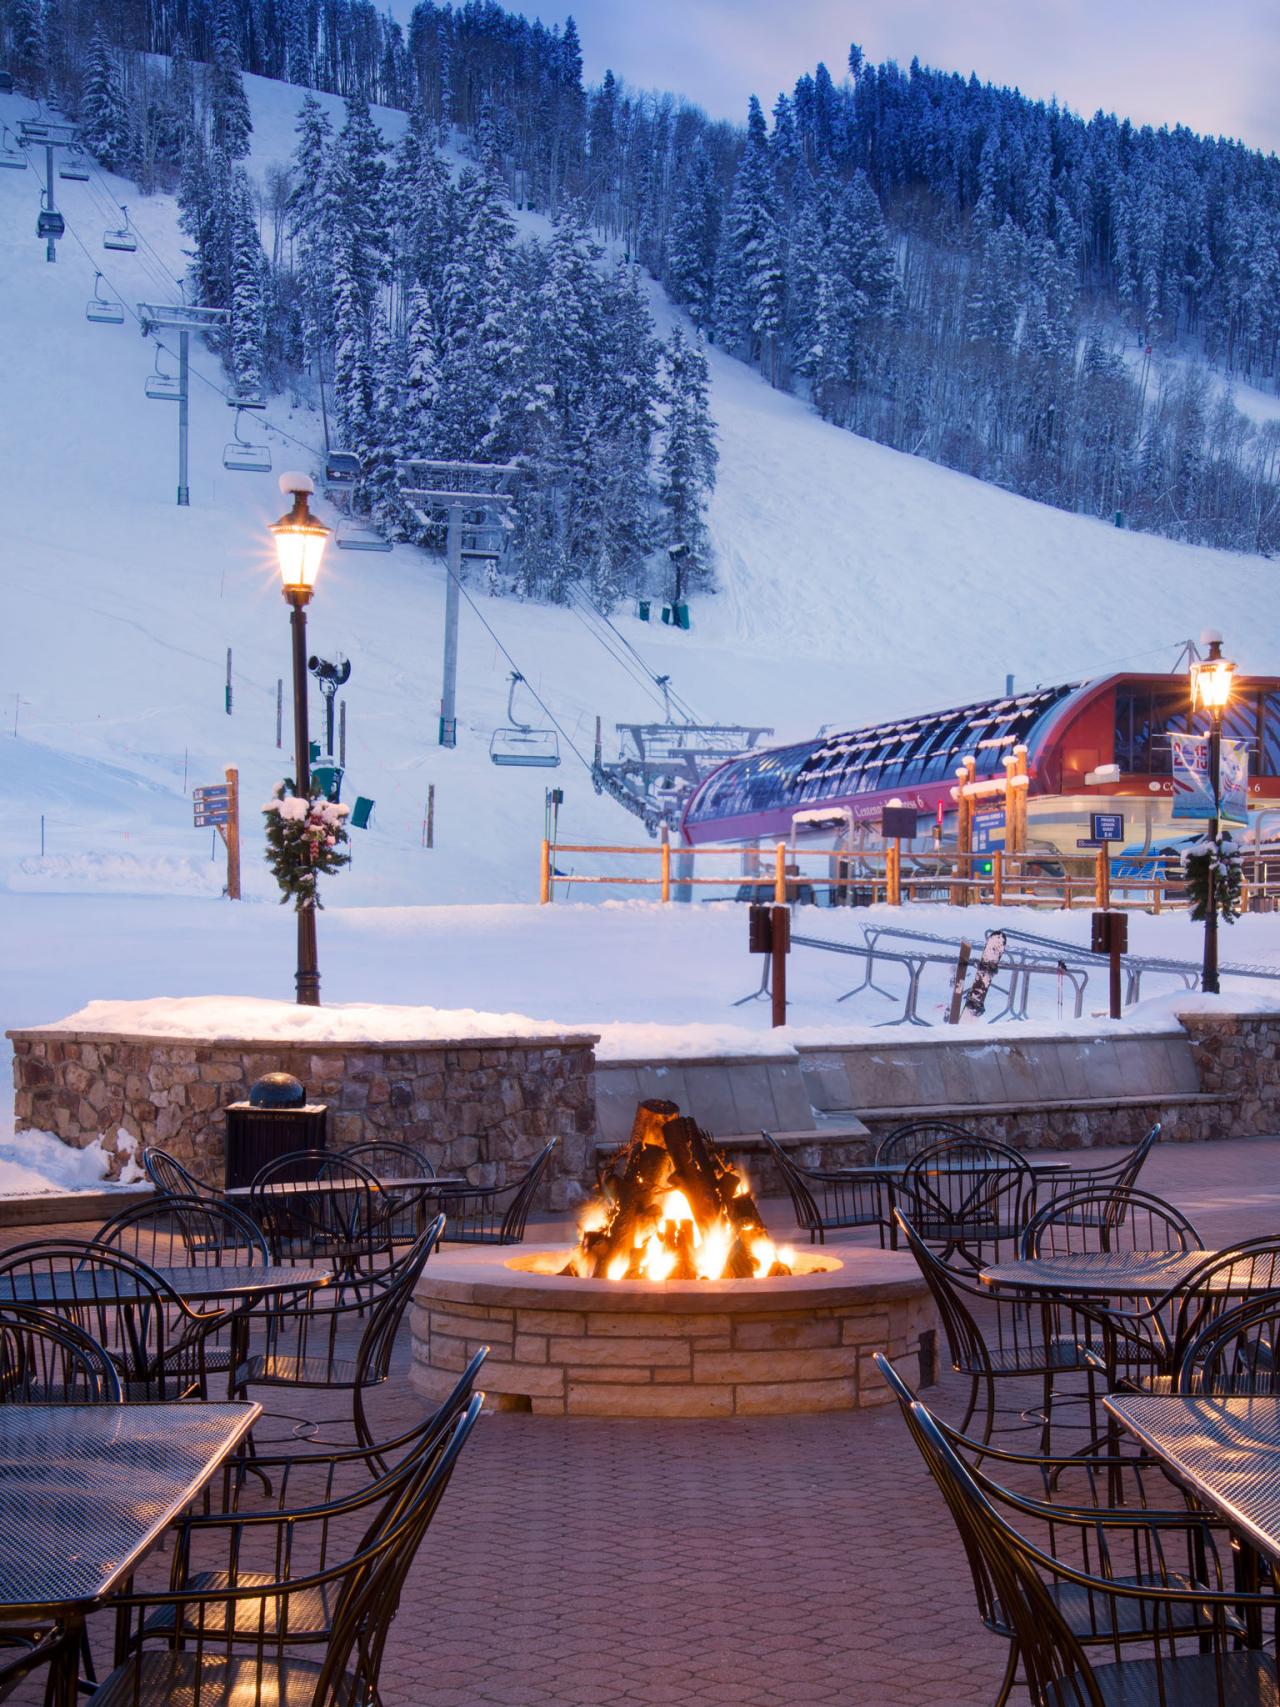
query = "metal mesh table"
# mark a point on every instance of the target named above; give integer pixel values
(85, 1490)
(195, 1285)
(1225, 1451)
(1096, 1274)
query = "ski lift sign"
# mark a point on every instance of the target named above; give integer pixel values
(1193, 788)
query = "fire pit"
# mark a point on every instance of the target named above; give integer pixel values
(674, 1303)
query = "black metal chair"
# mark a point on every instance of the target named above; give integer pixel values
(904, 1142)
(477, 1216)
(1111, 1218)
(1124, 1523)
(391, 1160)
(239, 1637)
(21, 1653)
(157, 1342)
(192, 1232)
(168, 1174)
(1169, 1606)
(969, 1196)
(826, 1200)
(1120, 1175)
(1237, 1353)
(315, 1207)
(48, 1360)
(1014, 1342)
(309, 1345)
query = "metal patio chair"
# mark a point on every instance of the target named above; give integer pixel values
(1039, 1599)
(826, 1200)
(904, 1142)
(1120, 1175)
(1238, 1353)
(48, 1360)
(1108, 1218)
(968, 1195)
(389, 1159)
(243, 1639)
(994, 1339)
(477, 1215)
(318, 1207)
(169, 1175)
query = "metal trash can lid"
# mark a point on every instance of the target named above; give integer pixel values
(277, 1090)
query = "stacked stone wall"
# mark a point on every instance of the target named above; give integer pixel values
(480, 1108)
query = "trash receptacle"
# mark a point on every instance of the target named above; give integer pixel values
(276, 1119)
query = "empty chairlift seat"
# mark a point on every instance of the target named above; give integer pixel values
(122, 237)
(520, 743)
(341, 467)
(243, 457)
(163, 387)
(75, 168)
(99, 309)
(10, 154)
(359, 536)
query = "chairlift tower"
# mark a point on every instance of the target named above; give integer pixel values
(50, 224)
(177, 317)
(468, 498)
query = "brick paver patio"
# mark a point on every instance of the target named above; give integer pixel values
(751, 1563)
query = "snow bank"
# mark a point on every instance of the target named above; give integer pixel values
(252, 1018)
(35, 1164)
(1173, 1004)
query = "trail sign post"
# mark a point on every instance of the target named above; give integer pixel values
(769, 932)
(218, 805)
(1111, 937)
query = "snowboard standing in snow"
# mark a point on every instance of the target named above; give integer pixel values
(975, 1002)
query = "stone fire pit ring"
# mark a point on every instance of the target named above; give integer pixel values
(719, 1348)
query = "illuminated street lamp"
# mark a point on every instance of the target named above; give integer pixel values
(300, 542)
(1211, 680)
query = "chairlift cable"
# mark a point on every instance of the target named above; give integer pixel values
(602, 618)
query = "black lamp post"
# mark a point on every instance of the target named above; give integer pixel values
(1210, 691)
(300, 542)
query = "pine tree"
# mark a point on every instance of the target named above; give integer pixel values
(694, 238)
(688, 466)
(307, 211)
(751, 274)
(104, 113)
(297, 43)
(249, 286)
(26, 35)
(232, 123)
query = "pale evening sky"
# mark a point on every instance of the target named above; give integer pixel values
(1213, 67)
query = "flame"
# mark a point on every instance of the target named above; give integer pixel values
(617, 1269)
(713, 1251)
(658, 1259)
(676, 1207)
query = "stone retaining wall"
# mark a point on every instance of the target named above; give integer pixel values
(481, 1108)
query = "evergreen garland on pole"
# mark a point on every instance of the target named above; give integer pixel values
(304, 842)
(1224, 857)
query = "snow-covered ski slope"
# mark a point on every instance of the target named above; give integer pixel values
(856, 582)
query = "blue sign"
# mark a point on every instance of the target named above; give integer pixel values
(1106, 826)
(218, 815)
(212, 795)
(988, 829)
(1193, 795)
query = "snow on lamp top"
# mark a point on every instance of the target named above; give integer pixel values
(300, 540)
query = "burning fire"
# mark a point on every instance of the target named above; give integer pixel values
(672, 1208)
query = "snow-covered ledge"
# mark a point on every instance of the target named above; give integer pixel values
(479, 1093)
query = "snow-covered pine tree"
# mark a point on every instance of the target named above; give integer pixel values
(229, 105)
(297, 42)
(307, 210)
(246, 342)
(26, 35)
(104, 112)
(688, 467)
(752, 275)
(693, 240)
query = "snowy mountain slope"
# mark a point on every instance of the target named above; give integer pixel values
(855, 582)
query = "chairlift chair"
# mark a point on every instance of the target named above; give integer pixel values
(99, 309)
(10, 154)
(520, 743)
(74, 169)
(246, 458)
(123, 238)
(163, 387)
(246, 399)
(357, 536)
(49, 222)
(6, 82)
(341, 467)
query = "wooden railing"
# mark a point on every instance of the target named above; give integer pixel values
(787, 874)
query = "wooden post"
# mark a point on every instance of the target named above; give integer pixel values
(781, 940)
(780, 874)
(1102, 877)
(665, 855)
(893, 873)
(231, 832)
(544, 895)
(997, 873)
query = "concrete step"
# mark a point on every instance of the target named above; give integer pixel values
(50, 1206)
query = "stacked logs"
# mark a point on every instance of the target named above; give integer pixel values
(668, 1152)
